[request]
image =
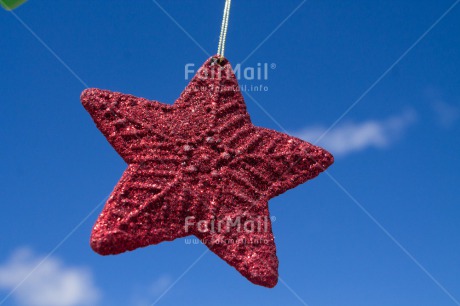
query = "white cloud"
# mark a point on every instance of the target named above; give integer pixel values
(51, 284)
(161, 284)
(352, 137)
(145, 295)
(446, 114)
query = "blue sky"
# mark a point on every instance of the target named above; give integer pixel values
(382, 227)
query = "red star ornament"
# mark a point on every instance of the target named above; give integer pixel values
(198, 167)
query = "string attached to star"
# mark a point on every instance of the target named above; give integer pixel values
(224, 29)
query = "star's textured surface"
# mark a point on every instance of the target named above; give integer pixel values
(198, 167)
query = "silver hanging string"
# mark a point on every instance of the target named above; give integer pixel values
(224, 29)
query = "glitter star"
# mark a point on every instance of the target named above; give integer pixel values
(198, 167)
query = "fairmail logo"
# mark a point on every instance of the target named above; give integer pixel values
(258, 224)
(260, 72)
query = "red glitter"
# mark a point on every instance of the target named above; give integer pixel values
(198, 167)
